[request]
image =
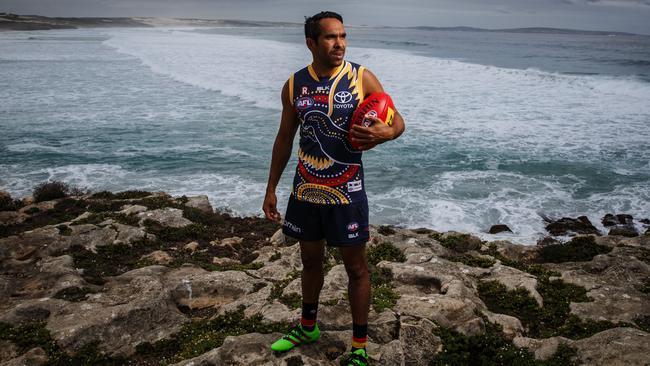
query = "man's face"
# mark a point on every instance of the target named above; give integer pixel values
(330, 48)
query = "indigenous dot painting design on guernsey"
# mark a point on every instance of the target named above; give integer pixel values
(329, 170)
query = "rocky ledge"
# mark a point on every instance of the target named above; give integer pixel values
(140, 278)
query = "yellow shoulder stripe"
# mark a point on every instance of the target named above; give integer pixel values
(360, 83)
(312, 72)
(291, 89)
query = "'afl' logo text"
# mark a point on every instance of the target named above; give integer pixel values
(304, 102)
(342, 97)
(353, 226)
(366, 122)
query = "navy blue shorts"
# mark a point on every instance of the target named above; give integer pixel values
(339, 225)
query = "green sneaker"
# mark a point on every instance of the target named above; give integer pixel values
(356, 358)
(295, 337)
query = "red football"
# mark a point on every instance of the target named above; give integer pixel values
(379, 105)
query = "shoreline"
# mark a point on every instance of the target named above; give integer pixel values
(557, 229)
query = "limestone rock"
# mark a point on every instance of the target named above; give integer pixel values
(512, 326)
(9, 351)
(200, 202)
(516, 252)
(210, 289)
(628, 231)
(132, 209)
(382, 327)
(567, 226)
(610, 280)
(90, 237)
(278, 238)
(438, 290)
(335, 284)
(418, 342)
(127, 234)
(191, 246)
(34, 279)
(391, 354)
(495, 229)
(615, 347)
(222, 261)
(158, 257)
(41, 206)
(620, 219)
(168, 216)
(513, 278)
(135, 307)
(11, 217)
(548, 240)
(33, 357)
(542, 349)
(231, 241)
(253, 349)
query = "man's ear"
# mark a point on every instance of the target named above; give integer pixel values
(311, 44)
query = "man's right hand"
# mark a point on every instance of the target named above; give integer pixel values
(270, 207)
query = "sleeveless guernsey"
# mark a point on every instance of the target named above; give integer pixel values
(329, 170)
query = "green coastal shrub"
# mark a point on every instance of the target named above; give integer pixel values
(64, 210)
(386, 230)
(457, 242)
(382, 293)
(579, 249)
(553, 319)
(535, 269)
(643, 322)
(9, 204)
(74, 293)
(30, 335)
(48, 191)
(132, 194)
(472, 261)
(492, 349)
(202, 335)
(384, 251)
(645, 286)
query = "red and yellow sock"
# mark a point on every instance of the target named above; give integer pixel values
(359, 336)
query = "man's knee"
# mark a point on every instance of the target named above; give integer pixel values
(357, 270)
(312, 254)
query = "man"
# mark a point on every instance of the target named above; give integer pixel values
(328, 203)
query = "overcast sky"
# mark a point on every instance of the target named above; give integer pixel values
(610, 15)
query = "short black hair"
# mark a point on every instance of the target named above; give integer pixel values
(312, 26)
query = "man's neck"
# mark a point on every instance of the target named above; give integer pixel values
(324, 71)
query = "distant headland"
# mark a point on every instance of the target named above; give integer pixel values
(15, 22)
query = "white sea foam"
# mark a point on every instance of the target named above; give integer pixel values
(251, 69)
(512, 199)
(505, 109)
(30, 147)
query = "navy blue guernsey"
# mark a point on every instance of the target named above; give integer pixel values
(329, 170)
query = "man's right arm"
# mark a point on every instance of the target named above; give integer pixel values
(281, 153)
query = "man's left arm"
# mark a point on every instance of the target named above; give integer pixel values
(377, 132)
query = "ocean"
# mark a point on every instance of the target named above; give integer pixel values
(501, 128)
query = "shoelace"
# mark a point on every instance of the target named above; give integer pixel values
(298, 334)
(356, 359)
